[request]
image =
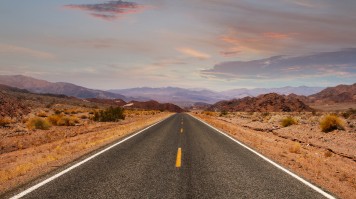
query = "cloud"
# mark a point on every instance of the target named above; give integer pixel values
(18, 50)
(340, 63)
(193, 53)
(110, 10)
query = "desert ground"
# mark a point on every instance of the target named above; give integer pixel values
(26, 154)
(325, 159)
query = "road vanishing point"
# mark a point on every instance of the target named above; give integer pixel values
(179, 157)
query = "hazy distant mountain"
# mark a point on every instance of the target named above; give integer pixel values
(337, 94)
(42, 86)
(300, 90)
(187, 97)
(179, 96)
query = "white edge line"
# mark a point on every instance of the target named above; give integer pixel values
(29, 190)
(271, 162)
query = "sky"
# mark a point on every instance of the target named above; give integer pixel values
(213, 44)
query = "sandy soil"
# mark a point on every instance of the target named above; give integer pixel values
(26, 155)
(325, 159)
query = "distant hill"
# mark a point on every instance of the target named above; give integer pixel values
(42, 86)
(148, 105)
(271, 102)
(188, 97)
(300, 90)
(10, 105)
(337, 94)
(154, 105)
(179, 96)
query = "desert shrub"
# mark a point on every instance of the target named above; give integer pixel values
(328, 153)
(67, 121)
(265, 114)
(41, 114)
(5, 121)
(331, 122)
(288, 121)
(295, 148)
(57, 112)
(349, 113)
(109, 115)
(53, 119)
(59, 120)
(223, 113)
(38, 123)
(84, 117)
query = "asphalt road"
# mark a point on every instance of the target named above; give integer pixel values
(146, 166)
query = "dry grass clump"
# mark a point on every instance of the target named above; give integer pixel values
(349, 113)
(288, 121)
(331, 122)
(60, 120)
(38, 123)
(328, 153)
(109, 115)
(5, 121)
(295, 148)
(41, 114)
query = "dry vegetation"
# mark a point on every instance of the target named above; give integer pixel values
(297, 141)
(57, 130)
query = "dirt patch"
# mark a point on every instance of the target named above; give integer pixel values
(325, 159)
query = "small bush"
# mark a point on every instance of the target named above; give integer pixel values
(66, 121)
(41, 114)
(295, 148)
(328, 153)
(57, 112)
(38, 123)
(265, 114)
(53, 119)
(109, 115)
(331, 122)
(288, 121)
(223, 113)
(349, 113)
(59, 120)
(84, 117)
(5, 121)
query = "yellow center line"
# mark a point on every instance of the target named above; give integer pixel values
(179, 158)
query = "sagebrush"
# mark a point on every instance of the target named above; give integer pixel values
(38, 123)
(330, 123)
(109, 115)
(288, 121)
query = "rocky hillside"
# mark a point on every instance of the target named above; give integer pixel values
(337, 94)
(271, 102)
(154, 105)
(10, 105)
(42, 86)
(148, 105)
(111, 102)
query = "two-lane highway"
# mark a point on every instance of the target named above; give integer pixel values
(178, 158)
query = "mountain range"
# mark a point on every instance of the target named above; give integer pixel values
(187, 97)
(179, 96)
(42, 86)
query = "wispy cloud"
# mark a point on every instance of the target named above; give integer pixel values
(340, 63)
(193, 53)
(18, 50)
(110, 10)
